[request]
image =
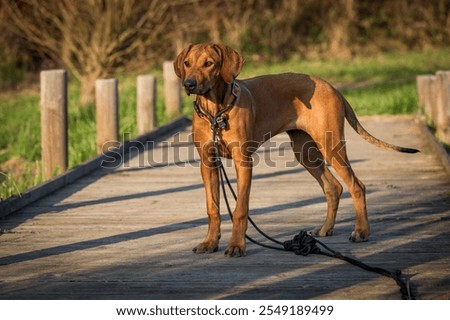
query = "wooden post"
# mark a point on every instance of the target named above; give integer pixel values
(442, 113)
(423, 83)
(431, 98)
(146, 103)
(54, 122)
(107, 110)
(172, 89)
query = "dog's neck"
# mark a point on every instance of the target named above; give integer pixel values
(217, 98)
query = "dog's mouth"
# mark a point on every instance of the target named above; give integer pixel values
(197, 91)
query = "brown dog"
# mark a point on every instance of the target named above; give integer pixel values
(309, 109)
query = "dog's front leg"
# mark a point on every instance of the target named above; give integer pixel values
(236, 246)
(210, 176)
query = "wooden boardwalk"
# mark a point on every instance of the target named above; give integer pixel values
(127, 232)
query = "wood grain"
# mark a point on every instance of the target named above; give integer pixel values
(127, 232)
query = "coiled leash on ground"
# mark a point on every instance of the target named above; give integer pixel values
(303, 243)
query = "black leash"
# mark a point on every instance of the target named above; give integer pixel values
(303, 243)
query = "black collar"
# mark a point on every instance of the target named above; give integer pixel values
(219, 121)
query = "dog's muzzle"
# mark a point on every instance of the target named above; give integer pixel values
(191, 86)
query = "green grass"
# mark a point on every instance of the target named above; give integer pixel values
(387, 86)
(384, 98)
(375, 68)
(388, 81)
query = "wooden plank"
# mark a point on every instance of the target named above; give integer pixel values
(437, 148)
(127, 232)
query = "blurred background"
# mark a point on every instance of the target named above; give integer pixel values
(372, 50)
(95, 38)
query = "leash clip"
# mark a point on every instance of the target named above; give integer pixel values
(221, 121)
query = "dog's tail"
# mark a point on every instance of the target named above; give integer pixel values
(356, 125)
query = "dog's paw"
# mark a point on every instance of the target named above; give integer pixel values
(205, 247)
(358, 236)
(235, 251)
(319, 233)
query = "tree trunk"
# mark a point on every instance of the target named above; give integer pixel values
(87, 89)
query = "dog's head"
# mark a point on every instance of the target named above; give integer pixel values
(202, 66)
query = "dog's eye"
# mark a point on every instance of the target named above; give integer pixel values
(187, 64)
(208, 64)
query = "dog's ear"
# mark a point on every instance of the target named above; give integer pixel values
(232, 63)
(179, 61)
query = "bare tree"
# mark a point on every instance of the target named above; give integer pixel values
(91, 38)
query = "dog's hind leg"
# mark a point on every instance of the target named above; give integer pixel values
(333, 148)
(308, 154)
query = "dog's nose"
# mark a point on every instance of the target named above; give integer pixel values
(190, 84)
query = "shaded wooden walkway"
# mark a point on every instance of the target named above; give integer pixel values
(127, 232)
